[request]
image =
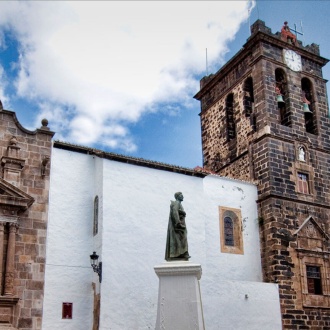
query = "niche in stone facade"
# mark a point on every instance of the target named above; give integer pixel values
(303, 171)
(282, 97)
(308, 104)
(313, 258)
(302, 153)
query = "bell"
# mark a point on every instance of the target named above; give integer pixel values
(279, 98)
(306, 108)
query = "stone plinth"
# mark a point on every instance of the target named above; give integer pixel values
(179, 298)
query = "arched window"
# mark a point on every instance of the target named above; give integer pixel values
(231, 238)
(231, 130)
(96, 216)
(281, 97)
(229, 231)
(248, 100)
(308, 106)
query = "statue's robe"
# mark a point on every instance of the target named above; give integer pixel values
(176, 243)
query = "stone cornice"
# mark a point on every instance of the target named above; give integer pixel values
(8, 301)
(42, 130)
(179, 268)
(267, 196)
(13, 198)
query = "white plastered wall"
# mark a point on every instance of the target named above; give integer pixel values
(68, 276)
(134, 208)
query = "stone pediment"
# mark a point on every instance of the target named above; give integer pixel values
(311, 236)
(12, 201)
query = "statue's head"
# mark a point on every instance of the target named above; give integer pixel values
(178, 196)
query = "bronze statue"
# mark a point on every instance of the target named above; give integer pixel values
(177, 243)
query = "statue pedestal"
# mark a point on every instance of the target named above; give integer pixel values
(179, 298)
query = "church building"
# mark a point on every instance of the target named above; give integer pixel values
(82, 230)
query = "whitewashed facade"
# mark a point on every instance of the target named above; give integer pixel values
(134, 202)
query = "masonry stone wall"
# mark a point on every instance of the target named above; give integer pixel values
(294, 225)
(283, 261)
(217, 150)
(25, 166)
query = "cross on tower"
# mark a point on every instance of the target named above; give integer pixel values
(295, 29)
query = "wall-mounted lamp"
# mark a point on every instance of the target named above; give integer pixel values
(96, 265)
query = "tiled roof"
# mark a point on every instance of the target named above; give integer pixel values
(130, 160)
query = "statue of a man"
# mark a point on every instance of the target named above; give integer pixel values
(177, 244)
(287, 35)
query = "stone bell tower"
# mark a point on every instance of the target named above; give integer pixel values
(24, 189)
(265, 118)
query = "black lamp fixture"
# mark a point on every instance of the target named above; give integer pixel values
(96, 265)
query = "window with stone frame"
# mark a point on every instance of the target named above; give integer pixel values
(96, 216)
(302, 183)
(312, 248)
(314, 281)
(230, 223)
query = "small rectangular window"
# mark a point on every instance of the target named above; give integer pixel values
(66, 310)
(96, 216)
(303, 185)
(314, 282)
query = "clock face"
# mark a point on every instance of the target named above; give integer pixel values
(292, 59)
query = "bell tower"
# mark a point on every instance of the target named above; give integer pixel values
(265, 118)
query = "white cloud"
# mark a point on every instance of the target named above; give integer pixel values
(4, 83)
(111, 62)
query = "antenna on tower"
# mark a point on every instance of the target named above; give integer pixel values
(207, 68)
(301, 29)
(249, 12)
(257, 8)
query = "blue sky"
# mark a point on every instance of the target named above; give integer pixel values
(121, 76)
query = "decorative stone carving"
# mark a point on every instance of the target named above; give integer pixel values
(310, 230)
(12, 164)
(44, 163)
(44, 123)
(311, 236)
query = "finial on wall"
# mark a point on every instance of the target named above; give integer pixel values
(44, 123)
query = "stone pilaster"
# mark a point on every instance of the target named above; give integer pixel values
(10, 266)
(2, 229)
